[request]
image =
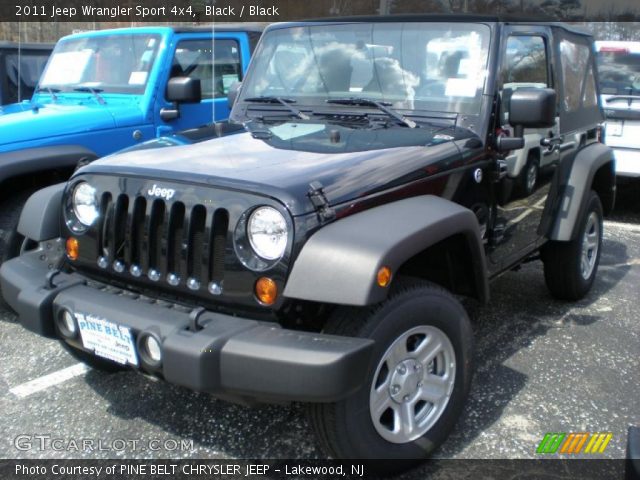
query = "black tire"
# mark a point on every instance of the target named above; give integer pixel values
(563, 270)
(345, 429)
(11, 241)
(532, 167)
(97, 363)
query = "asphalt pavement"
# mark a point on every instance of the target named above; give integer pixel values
(541, 366)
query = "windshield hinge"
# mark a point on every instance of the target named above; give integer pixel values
(320, 202)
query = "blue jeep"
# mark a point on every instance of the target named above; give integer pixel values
(102, 91)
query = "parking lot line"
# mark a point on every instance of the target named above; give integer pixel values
(55, 378)
(630, 227)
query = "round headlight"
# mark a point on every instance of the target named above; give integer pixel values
(85, 204)
(267, 232)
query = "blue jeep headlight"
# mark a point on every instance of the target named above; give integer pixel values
(85, 204)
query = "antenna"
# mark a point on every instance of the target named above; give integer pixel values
(19, 61)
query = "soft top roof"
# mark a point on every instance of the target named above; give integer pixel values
(436, 17)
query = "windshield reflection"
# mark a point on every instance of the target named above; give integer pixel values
(417, 66)
(109, 64)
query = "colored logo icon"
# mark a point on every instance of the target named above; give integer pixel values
(574, 443)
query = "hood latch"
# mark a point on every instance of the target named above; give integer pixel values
(320, 202)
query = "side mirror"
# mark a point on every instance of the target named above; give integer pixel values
(232, 94)
(506, 144)
(532, 108)
(184, 90)
(180, 90)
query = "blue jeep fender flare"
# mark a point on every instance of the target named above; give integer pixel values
(339, 263)
(34, 160)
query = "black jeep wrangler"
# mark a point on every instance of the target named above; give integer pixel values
(322, 255)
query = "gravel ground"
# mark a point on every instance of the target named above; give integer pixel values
(541, 366)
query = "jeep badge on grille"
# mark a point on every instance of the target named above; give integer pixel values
(166, 193)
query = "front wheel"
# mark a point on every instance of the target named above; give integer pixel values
(417, 384)
(570, 267)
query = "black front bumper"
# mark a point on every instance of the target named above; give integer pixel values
(234, 358)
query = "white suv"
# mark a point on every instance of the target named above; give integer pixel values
(619, 72)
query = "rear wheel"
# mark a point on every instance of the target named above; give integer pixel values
(417, 384)
(529, 176)
(570, 267)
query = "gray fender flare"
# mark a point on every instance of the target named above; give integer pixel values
(339, 263)
(575, 192)
(40, 217)
(34, 160)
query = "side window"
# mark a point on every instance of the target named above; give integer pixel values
(525, 65)
(577, 72)
(216, 64)
(525, 62)
(28, 68)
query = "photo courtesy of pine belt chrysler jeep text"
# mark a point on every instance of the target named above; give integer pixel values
(320, 255)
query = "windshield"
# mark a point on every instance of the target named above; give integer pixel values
(110, 64)
(416, 66)
(619, 72)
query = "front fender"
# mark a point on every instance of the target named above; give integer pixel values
(40, 217)
(339, 263)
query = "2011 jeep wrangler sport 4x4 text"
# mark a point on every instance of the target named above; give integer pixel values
(321, 255)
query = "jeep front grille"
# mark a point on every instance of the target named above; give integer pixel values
(163, 240)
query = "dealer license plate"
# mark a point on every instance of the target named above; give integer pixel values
(614, 128)
(107, 339)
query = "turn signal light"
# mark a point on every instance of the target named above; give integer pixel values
(266, 290)
(72, 248)
(384, 276)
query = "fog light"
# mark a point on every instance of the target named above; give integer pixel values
(69, 321)
(193, 283)
(118, 266)
(173, 279)
(266, 290)
(67, 324)
(72, 248)
(384, 276)
(150, 349)
(153, 349)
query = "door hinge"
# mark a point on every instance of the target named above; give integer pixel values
(500, 171)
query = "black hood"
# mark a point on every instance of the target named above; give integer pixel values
(281, 161)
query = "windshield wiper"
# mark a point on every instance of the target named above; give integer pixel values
(283, 101)
(94, 91)
(382, 106)
(50, 91)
